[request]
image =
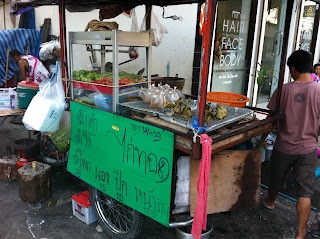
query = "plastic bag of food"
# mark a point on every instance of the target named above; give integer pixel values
(158, 100)
(61, 137)
(146, 94)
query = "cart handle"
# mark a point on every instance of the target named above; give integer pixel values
(181, 224)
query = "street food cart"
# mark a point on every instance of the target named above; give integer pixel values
(128, 151)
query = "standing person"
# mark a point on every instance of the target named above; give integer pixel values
(297, 138)
(316, 73)
(31, 68)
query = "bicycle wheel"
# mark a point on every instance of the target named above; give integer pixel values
(116, 219)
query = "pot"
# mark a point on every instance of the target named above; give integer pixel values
(185, 233)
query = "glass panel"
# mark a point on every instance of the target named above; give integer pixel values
(229, 67)
(268, 74)
(306, 25)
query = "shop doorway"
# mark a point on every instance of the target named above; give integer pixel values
(272, 39)
(308, 28)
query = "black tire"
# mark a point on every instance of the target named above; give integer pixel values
(117, 220)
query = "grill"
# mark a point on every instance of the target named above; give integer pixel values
(234, 114)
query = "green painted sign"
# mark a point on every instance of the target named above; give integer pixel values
(127, 160)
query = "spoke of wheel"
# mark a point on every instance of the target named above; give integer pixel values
(116, 214)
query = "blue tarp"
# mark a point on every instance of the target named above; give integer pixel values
(20, 39)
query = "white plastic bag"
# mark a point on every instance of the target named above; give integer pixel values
(157, 29)
(134, 23)
(133, 51)
(47, 106)
(49, 50)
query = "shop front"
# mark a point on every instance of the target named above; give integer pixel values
(252, 40)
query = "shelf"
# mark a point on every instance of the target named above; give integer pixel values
(110, 41)
(108, 38)
(105, 89)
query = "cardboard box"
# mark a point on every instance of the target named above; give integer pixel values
(8, 99)
(81, 207)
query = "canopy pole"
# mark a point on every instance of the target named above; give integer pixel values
(63, 52)
(4, 15)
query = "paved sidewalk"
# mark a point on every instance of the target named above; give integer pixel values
(53, 219)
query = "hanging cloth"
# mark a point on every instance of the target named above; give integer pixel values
(200, 215)
(27, 19)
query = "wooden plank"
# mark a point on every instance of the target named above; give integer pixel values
(235, 179)
(45, 30)
(239, 138)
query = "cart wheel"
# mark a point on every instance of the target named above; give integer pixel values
(116, 219)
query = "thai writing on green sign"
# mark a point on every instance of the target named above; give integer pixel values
(127, 160)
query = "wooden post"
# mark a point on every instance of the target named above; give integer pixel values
(45, 30)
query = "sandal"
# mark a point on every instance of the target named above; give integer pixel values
(262, 203)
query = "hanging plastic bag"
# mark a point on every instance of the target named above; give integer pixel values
(133, 51)
(157, 29)
(61, 137)
(47, 106)
(49, 50)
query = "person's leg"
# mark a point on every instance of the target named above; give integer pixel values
(269, 199)
(303, 211)
(304, 172)
(279, 167)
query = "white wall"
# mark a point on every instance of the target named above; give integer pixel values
(7, 21)
(177, 46)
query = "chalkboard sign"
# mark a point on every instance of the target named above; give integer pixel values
(127, 160)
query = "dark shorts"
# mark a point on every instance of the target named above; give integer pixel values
(304, 167)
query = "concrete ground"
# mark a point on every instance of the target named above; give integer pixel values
(53, 218)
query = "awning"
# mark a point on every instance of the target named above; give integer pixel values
(85, 5)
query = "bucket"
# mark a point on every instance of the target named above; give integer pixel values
(26, 91)
(185, 233)
(28, 148)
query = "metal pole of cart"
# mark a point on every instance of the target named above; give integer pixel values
(63, 55)
(209, 22)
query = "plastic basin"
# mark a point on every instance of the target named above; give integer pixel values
(227, 98)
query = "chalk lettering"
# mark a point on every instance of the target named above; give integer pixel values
(80, 161)
(93, 123)
(151, 204)
(121, 185)
(81, 118)
(102, 176)
(148, 162)
(102, 187)
(156, 135)
(78, 173)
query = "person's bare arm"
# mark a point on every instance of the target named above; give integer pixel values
(23, 66)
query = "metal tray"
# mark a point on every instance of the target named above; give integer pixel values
(234, 114)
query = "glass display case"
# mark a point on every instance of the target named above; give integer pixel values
(104, 66)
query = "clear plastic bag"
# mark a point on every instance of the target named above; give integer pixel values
(47, 106)
(61, 137)
(158, 30)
